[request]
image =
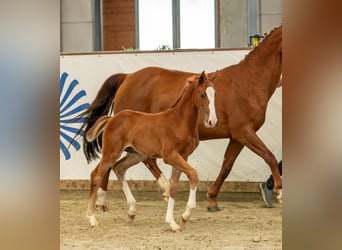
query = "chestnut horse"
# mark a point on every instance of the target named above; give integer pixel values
(171, 135)
(242, 94)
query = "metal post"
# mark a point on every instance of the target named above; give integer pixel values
(176, 24)
(97, 25)
(136, 10)
(253, 18)
(216, 16)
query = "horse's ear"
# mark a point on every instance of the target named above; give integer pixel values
(213, 76)
(201, 78)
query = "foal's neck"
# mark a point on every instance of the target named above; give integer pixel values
(186, 108)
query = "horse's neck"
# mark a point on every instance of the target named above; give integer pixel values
(265, 62)
(185, 109)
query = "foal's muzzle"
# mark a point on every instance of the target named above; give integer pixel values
(211, 121)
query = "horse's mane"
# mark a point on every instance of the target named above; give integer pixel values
(267, 36)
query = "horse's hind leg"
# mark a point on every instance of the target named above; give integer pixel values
(253, 142)
(120, 169)
(151, 164)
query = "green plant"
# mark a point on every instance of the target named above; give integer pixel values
(130, 49)
(164, 47)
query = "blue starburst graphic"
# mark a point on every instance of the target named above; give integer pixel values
(71, 105)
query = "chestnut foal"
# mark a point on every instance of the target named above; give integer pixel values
(171, 135)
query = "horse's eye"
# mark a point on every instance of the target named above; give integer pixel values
(202, 95)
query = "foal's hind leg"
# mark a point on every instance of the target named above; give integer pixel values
(151, 164)
(120, 169)
(100, 203)
(95, 180)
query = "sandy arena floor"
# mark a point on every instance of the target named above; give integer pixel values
(244, 223)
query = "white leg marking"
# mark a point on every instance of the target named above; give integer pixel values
(212, 113)
(129, 197)
(190, 205)
(101, 197)
(164, 184)
(169, 215)
(92, 220)
(280, 195)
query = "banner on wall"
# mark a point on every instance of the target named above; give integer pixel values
(81, 76)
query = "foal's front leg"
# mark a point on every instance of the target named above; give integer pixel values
(175, 175)
(180, 165)
(190, 205)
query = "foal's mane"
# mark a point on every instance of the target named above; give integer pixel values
(187, 85)
(191, 82)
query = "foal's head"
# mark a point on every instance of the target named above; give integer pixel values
(204, 97)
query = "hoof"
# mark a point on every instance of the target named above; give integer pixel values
(183, 219)
(131, 217)
(213, 209)
(92, 220)
(95, 224)
(280, 196)
(102, 208)
(280, 200)
(166, 198)
(177, 230)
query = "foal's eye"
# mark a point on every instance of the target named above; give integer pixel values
(202, 95)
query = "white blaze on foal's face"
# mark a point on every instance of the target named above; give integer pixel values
(212, 111)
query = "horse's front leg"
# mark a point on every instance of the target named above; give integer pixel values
(151, 164)
(175, 175)
(180, 165)
(190, 205)
(233, 150)
(131, 202)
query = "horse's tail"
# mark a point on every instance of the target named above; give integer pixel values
(100, 106)
(96, 129)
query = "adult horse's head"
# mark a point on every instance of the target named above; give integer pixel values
(204, 97)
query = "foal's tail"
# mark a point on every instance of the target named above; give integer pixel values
(102, 105)
(96, 129)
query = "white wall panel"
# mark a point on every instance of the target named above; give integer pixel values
(91, 71)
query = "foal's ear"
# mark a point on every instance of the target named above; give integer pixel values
(213, 76)
(191, 79)
(202, 77)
